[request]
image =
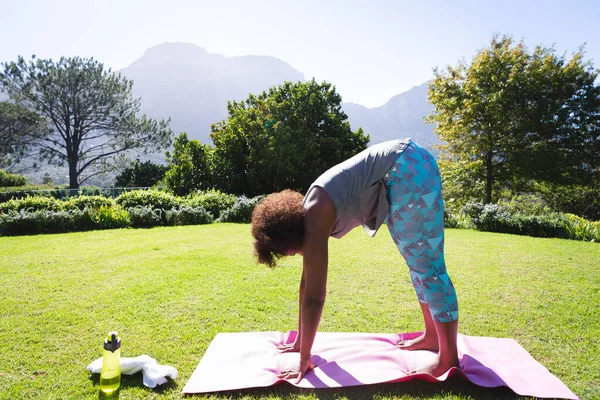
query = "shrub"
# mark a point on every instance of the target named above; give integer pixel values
(43, 221)
(551, 225)
(148, 198)
(145, 216)
(214, 201)
(110, 217)
(472, 210)
(491, 218)
(17, 223)
(11, 180)
(241, 211)
(187, 215)
(488, 217)
(495, 218)
(581, 229)
(91, 202)
(32, 203)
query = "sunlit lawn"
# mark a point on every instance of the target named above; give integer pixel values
(169, 291)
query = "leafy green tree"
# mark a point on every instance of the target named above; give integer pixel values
(47, 179)
(282, 139)
(461, 181)
(19, 130)
(91, 113)
(190, 166)
(141, 174)
(515, 116)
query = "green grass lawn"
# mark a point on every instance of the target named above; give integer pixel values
(169, 291)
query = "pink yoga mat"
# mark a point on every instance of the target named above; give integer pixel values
(247, 360)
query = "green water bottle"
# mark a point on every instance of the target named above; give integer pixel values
(110, 376)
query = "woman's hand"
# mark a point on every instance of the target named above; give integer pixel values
(289, 347)
(304, 366)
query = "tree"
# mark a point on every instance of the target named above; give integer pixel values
(191, 166)
(47, 179)
(19, 129)
(519, 116)
(282, 139)
(141, 174)
(91, 112)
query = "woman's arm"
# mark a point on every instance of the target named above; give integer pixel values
(315, 275)
(300, 300)
(319, 219)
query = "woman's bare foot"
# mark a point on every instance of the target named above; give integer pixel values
(427, 341)
(438, 368)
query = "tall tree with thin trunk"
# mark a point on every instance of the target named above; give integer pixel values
(92, 115)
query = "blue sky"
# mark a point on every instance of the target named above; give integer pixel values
(371, 50)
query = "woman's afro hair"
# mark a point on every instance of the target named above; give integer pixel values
(278, 226)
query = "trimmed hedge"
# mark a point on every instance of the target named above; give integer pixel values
(241, 211)
(552, 225)
(49, 221)
(148, 198)
(31, 204)
(35, 203)
(187, 215)
(41, 214)
(214, 201)
(92, 202)
(144, 216)
(43, 221)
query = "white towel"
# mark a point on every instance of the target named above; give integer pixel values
(154, 373)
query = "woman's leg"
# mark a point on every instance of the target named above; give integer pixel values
(416, 223)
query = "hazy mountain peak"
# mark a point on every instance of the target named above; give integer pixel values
(402, 116)
(185, 82)
(175, 50)
(408, 97)
(174, 54)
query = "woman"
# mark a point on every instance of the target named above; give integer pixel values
(397, 182)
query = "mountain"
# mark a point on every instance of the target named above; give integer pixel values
(185, 82)
(402, 116)
(190, 85)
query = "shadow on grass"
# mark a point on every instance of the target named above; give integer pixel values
(133, 381)
(455, 386)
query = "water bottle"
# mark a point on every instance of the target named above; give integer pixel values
(110, 376)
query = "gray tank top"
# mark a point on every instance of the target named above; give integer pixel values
(356, 187)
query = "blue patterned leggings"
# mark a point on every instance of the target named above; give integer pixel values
(416, 223)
